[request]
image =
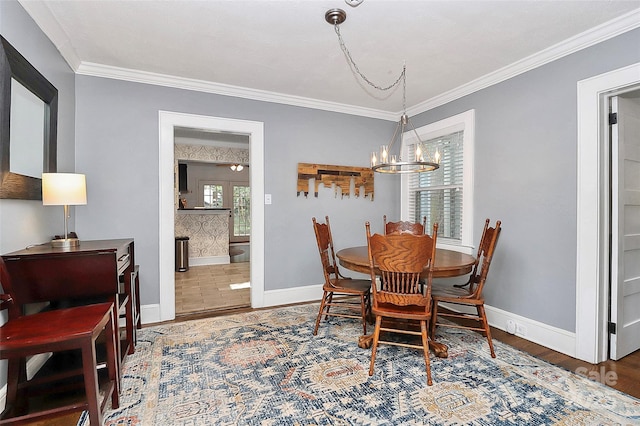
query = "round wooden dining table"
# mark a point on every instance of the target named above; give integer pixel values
(448, 263)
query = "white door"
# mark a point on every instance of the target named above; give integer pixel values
(625, 227)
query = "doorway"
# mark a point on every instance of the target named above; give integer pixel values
(255, 131)
(593, 218)
(214, 194)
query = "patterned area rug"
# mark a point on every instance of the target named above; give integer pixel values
(266, 368)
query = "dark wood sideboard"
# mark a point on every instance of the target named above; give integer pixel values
(91, 272)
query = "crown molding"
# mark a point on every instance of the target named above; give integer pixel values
(106, 71)
(593, 36)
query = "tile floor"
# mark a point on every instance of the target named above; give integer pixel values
(212, 287)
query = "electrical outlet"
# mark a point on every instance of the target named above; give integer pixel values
(511, 327)
(521, 330)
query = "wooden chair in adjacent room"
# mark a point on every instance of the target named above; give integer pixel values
(57, 331)
(400, 260)
(469, 293)
(405, 226)
(345, 290)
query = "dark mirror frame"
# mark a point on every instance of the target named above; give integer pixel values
(14, 65)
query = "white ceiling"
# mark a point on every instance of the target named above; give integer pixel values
(285, 50)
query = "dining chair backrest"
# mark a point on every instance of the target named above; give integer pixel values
(405, 226)
(484, 256)
(400, 260)
(326, 250)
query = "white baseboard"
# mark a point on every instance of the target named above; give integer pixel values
(210, 260)
(35, 363)
(287, 296)
(550, 337)
(150, 314)
(537, 332)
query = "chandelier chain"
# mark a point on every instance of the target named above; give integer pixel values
(343, 46)
(387, 162)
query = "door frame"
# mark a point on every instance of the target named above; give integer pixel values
(166, 240)
(593, 217)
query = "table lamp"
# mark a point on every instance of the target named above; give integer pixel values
(64, 189)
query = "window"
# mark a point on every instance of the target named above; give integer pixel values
(213, 196)
(444, 196)
(241, 211)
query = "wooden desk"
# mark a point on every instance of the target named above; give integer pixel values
(448, 263)
(90, 272)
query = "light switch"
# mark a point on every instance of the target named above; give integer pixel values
(267, 198)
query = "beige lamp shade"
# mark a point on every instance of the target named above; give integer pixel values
(64, 189)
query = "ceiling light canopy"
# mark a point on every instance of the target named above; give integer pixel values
(385, 161)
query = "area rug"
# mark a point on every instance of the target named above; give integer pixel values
(267, 368)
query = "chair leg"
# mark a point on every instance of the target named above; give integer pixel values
(328, 305)
(320, 312)
(363, 311)
(434, 318)
(13, 378)
(91, 382)
(112, 362)
(487, 330)
(374, 348)
(425, 349)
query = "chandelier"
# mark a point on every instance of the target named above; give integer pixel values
(384, 161)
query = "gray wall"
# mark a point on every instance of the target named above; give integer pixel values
(25, 222)
(117, 147)
(525, 175)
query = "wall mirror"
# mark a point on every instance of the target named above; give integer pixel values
(28, 126)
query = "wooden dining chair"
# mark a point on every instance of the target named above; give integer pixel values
(345, 289)
(57, 331)
(400, 260)
(405, 226)
(469, 293)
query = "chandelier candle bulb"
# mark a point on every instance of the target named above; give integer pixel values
(374, 159)
(383, 153)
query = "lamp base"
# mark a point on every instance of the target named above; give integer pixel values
(65, 243)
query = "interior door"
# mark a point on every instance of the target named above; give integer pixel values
(625, 227)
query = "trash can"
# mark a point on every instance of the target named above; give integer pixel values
(182, 254)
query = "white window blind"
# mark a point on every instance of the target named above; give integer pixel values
(438, 195)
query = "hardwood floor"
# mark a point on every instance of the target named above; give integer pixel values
(212, 288)
(623, 375)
